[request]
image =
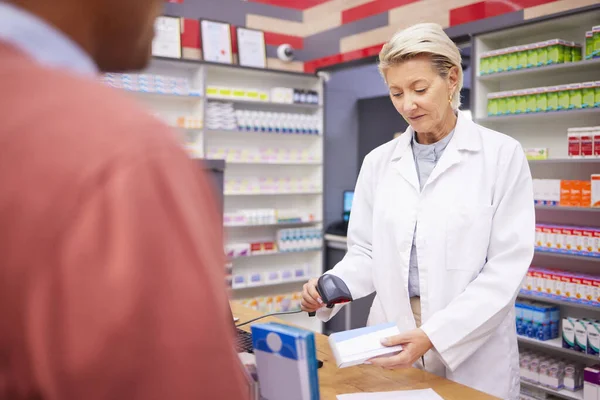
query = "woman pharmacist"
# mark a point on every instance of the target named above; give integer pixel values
(442, 226)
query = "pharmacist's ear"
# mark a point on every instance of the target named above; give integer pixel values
(452, 80)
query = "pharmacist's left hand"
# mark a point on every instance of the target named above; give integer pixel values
(414, 344)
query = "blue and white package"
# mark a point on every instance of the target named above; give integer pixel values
(286, 362)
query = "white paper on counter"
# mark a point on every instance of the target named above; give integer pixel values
(425, 394)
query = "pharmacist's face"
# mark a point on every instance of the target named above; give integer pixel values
(420, 94)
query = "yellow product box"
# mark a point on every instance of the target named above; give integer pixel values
(252, 95)
(263, 96)
(225, 92)
(212, 91)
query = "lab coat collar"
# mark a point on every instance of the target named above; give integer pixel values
(466, 138)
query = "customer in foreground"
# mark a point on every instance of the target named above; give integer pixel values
(442, 225)
(111, 271)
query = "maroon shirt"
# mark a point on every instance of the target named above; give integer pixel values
(111, 256)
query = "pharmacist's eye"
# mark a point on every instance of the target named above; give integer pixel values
(396, 94)
(421, 90)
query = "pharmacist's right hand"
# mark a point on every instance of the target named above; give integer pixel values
(311, 301)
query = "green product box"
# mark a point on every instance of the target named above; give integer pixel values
(521, 102)
(484, 64)
(493, 68)
(596, 37)
(576, 52)
(541, 100)
(597, 94)
(588, 95)
(492, 106)
(568, 51)
(563, 98)
(511, 104)
(503, 61)
(521, 57)
(531, 101)
(575, 96)
(513, 59)
(532, 57)
(555, 52)
(542, 54)
(502, 103)
(589, 45)
(552, 99)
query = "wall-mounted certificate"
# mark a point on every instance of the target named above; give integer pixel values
(167, 38)
(216, 41)
(251, 48)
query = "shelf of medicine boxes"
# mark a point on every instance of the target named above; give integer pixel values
(307, 198)
(556, 346)
(568, 209)
(566, 256)
(551, 300)
(281, 224)
(563, 393)
(543, 129)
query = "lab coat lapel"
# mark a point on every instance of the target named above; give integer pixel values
(403, 160)
(450, 157)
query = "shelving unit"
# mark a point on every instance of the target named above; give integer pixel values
(546, 130)
(278, 253)
(563, 394)
(556, 346)
(568, 209)
(543, 129)
(202, 143)
(551, 300)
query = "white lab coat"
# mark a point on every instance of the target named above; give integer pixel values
(475, 242)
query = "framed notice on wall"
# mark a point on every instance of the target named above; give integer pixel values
(216, 41)
(251, 48)
(167, 38)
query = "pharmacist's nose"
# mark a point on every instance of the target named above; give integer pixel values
(409, 105)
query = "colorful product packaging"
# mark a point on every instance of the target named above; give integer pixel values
(502, 60)
(493, 62)
(563, 97)
(542, 54)
(492, 108)
(555, 51)
(575, 97)
(502, 106)
(532, 55)
(521, 101)
(596, 37)
(596, 141)
(574, 142)
(551, 103)
(513, 59)
(511, 103)
(595, 195)
(576, 52)
(568, 52)
(531, 102)
(484, 64)
(587, 142)
(589, 45)
(521, 57)
(588, 94)
(597, 94)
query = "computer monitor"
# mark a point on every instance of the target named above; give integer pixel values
(348, 197)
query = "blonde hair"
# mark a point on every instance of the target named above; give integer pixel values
(429, 39)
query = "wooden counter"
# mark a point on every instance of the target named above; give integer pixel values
(365, 378)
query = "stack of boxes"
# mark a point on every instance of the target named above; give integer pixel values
(562, 285)
(584, 142)
(582, 335)
(147, 83)
(580, 241)
(592, 43)
(275, 276)
(551, 372)
(277, 303)
(537, 320)
(567, 193)
(544, 99)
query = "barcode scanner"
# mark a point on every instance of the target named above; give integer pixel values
(332, 290)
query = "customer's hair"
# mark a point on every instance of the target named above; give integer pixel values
(428, 39)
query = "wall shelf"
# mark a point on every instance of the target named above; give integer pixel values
(277, 253)
(280, 283)
(566, 161)
(297, 163)
(563, 393)
(569, 209)
(276, 134)
(567, 114)
(269, 104)
(566, 256)
(587, 66)
(559, 302)
(556, 345)
(282, 224)
(279, 193)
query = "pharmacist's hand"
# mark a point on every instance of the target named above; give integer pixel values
(311, 301)
(414, 344)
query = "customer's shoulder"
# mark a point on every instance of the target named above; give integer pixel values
(77, 108)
